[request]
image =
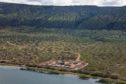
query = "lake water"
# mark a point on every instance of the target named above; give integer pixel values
(13, 75)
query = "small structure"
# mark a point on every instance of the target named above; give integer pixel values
(76, 64)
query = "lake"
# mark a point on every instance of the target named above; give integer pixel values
(12, 75)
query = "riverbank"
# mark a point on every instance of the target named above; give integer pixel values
(105, 80)
(10, 67)
(11, 76)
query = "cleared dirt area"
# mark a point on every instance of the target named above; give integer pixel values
(76, 64)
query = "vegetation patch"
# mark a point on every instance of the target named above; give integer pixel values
(83, 76)
(111, 81)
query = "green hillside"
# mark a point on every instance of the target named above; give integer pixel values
(72, 17)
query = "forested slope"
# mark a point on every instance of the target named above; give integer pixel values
(78, 17)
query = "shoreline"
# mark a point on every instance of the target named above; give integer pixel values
(83, 76)
(9, 67)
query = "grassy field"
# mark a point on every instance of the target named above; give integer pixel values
(104, 50)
